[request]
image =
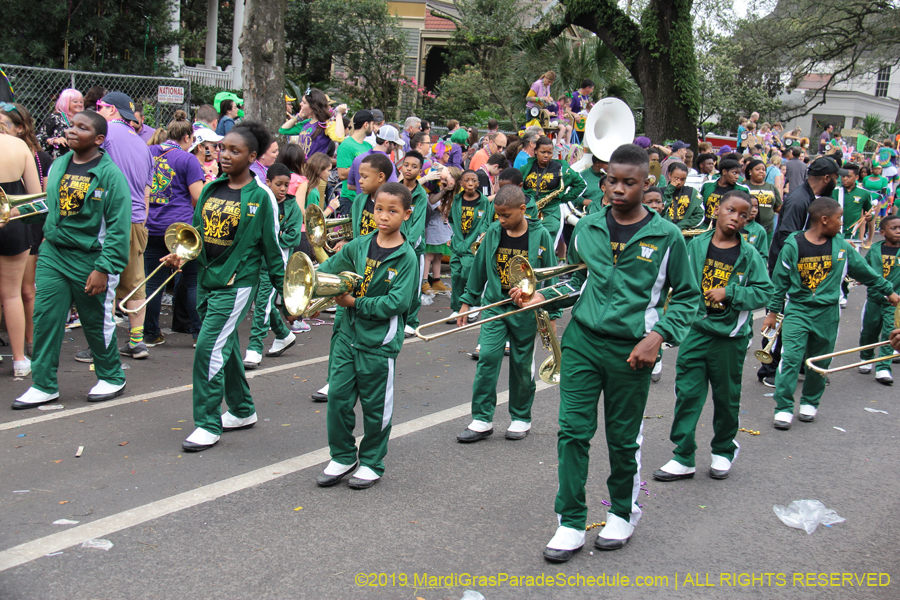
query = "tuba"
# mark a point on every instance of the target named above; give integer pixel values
(303, 285)
(317, 229)
(609, 125)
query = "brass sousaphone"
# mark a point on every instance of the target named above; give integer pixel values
(609, 125)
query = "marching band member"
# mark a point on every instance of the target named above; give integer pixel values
(470, 213)
(877, 317)
(712, 191)
(734, 282)
(684, 206)
(414, 227)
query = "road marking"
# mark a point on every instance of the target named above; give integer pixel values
(23, 553)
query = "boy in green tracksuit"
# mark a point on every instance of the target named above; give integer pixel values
(755, 233)
(653, 200)
(684, 207)
(86, 243)
(470, 213)
(513, 235)
(290, 221)
(374, 171)
(712, 191)
(734, 281)
(809, 270)
(633, 257)
(368, 339)
(414, 227)
(878, 316)
(857, 203)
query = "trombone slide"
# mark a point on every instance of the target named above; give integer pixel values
(810, 362)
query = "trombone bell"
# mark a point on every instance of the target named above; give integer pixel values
(7, 203)
(303, 284)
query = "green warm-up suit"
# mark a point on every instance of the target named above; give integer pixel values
(552, 215)
(811, 318)
(264, 318)
(364, 349)
(616, 304)
(685, 209)
(712, 354)
(225, 286)
(94, 239)
(878, 314)
(518, 329)
(414, 230)
(461, 256)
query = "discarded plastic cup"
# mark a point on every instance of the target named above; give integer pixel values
(806, 515)
(97, 543)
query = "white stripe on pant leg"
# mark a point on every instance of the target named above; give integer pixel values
(109, 310)
(269, 301)
(559, 232)
(241, 297)
(421, 272)
(388, 396)
(636, 485)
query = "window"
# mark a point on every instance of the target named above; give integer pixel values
(882, 82)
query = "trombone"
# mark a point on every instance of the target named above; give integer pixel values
(522, 276)
(303, 284)
(317, 229)
(765, 355)
(7, 203)
(825, 371)
(182, 240)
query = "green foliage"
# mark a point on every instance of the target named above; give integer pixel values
(871, 126)
(102, 35)
(206, 94)
(891, 130)
(462, 94)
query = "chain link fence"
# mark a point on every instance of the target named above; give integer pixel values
(39, 88)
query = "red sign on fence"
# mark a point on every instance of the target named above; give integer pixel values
(167, 94)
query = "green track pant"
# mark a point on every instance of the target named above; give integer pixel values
(459, 276)
(218, 365)
(592, 365)
(703, 361)
(61, 275)
(802, 336)
(413, 318)
(264, 318)
(354, 374)
(877, 324)
(520, 330)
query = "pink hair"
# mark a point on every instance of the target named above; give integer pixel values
(65, 98)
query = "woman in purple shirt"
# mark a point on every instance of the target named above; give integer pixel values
(178, 180)
(313, 125)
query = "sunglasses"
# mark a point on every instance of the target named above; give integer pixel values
(100, 103)
(7, 107)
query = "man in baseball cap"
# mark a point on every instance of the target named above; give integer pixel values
(377, 123)
(679, 149)
(121, 102)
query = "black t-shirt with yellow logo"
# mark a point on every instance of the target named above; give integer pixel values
(680, 204)
(545, 180)
(712, 200)
(509, 246)
(73, 187)
(468, 214)
(374, 258)
(888, 259)
(717, 271)
(367, 220)
(620, 235)
(221, 217)
(815, 261)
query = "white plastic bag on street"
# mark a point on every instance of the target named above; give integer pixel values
(427, 299)
(472, 595)
(807, 515)
(99, 544)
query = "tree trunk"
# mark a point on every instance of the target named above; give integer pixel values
(664, 119)
(262, 46)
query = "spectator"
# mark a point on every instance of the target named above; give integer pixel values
(52, 133)
(825, 138)
(496, 142)
(207, 117)
(93, 96)
(529, 142)
(314, 126)
(377, 122)
(386, 141)
(411, 127)
(795, 170)
(228, 112)
(145, 132)
(204, 147)
(349, 149)
(679, 151)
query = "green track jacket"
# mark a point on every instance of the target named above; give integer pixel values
(484, 213)
(290, 224)
(414, 227)
(823, 302)
(256, 241)
(485, 274)
(748, 289)
(625, 300)
(356, 211)
(687, 212)
(102, 227)
(592, 189)
(757, 236)
(375, 325)
(572, 181)
(874, 260)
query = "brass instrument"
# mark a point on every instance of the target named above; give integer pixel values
(609, 125)
(474, 247)
(317, 229)
(688, 233)
(549, 370)
(655, 172)
(182, 240)
(823, 371)
(573, 214)
(543, 202)
(522, 276)
(765, 355)
(303, 284)
(7, 203)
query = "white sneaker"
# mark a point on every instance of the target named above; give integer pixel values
(21, 368)
(673, 471)
(480, 426)
(366, 474)
(279, 346)
(865, 369)
(843, 302)
(105, 391)
(656, 373)
(616, 528)
(884, 378)
(331, 309)
(474, 316)
(517, 430)
(719, 467)
(566, 538)
(783, 420)
(252, 359)
(300, 326)
(200, 439)
(33, 397)
(409, 332)
(807, 413)
(451, 320)
(233, 423)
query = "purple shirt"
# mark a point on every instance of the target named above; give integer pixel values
(310, 144)
(353, 175)
(404, 135)
(146, 133)
(132, 156)
(259, 171)
(170, 196)
(540, 90)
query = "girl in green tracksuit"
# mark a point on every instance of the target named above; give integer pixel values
(684, 207)
(878, 315)
(633, 257)
(470, 214)
(290, 222)
(367, 340)
(86, 241)
(542, 176)
(237, 218)
(810, 268)
(755, 233)
(512, 235)
(414, 228)
(734, 281)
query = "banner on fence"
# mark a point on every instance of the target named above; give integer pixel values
(168, 94)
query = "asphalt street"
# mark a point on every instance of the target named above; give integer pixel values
(246, 520)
